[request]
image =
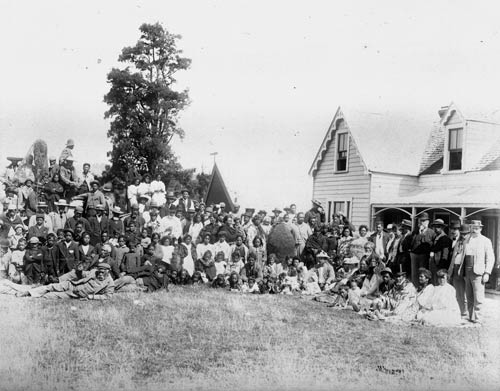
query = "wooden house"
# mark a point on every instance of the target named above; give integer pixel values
(385, 167)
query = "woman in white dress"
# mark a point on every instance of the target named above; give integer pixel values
(144, 188)
(195, 228)
(158, 188)
(133, 192)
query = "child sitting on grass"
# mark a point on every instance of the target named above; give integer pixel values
(290, 283)
(206, 266)
(354, 295)
(234, 282)
(219, 281)
(235, 264)
(250, 286)
(271, 268)
(220, 263)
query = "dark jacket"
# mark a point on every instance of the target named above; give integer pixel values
(67, 257)
(97, 228)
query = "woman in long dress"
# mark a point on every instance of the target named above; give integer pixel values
(158, 188)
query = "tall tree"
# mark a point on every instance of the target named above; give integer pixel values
(143, 106)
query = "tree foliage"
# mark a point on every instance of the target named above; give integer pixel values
(143, 106)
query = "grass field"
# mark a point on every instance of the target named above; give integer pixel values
(192, 338)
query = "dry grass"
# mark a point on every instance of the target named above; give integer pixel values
(195, 338)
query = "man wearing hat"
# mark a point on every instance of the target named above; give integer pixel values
(97, 286)
(98, 224)
(324, 271)
(78, 216)
(39, 230)
(164, 210)
(237, 212)
(440, 250)
(53, 167)
(403, 260)
(92, 198)
(136, 218)
(60, 216)
(477, 265)
(69, 178)
(67, 152)
(315, 212)
(184, 202)
(455, 275)
(171, 224)
(422, 242)
(42, 209)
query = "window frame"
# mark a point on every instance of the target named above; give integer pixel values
(338, 151)
(453, 133)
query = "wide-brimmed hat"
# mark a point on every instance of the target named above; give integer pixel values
(103, 266)
(70, 143)
(146, 175)
(323, 255)
(107, 188)
(170, 194)
(262, 212)
(134, 207)
(94, 181)
(66, 230)
(34, 240)
(399, 274)
(154, 204)
(439, 223)
(276, 210)
(316, 202)
(40, 216)
(78, 209)
(61, 202)
(424, 216)
(99, 207)
(42, 204)
(184, 189)
(116, 210)
(386, 270)
(476, 223)
(144, 197)
(406, 223)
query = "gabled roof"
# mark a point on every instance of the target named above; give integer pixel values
(217, 191)
(432, 158)
(387, 142)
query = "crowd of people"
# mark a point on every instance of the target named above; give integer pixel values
(71, 240)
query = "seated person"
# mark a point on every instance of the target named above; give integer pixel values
(206, 266)
(251, 269)
(219, 281)
(220, 263)
(235, 264)
(234, 280)
(250, 286)
(443, 309)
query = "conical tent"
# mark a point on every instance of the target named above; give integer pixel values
(217, 191)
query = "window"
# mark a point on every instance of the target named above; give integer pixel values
(455, 149)
(342, 206)
(342, 147)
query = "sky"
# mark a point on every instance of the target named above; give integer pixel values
(265, 81)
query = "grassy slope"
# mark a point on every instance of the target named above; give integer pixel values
(199, 338)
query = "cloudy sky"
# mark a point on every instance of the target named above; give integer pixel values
(265, 81)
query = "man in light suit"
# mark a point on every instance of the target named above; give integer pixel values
(380, 239)
(477, 264)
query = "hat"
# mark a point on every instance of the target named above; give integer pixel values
(28, 180)
(40, 216)
(236, 205)
(11, 207)
(209, 209)
(476, 223)
(61, 202)
(66, 230)
(144, 197)
(116, 210)
(34, 240)
(424, 216)
(4, 243)
(316, 202)
(11, 190)
(386, 270)
(70, 143)
(42, 204)
(52, 159)
(191, 210)
(406, 223)
(90, 206)
(134, 207)
(154, 204)
(170, 194)
(439, 222)
(78, 209)
(262, 212)
(423, 271)
(172, 208)
(277, 210)
(99, 207)
(322, 254)
(94, 181)
(399, 274)
(465, 229)
(146, 175)
(222, 234)
(455, 224)
(103, 266)
(69, 159)
(19, 226)
(184, 189)
(107, 188)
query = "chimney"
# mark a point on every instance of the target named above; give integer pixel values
(442, 110)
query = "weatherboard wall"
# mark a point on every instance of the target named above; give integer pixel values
(352, 186)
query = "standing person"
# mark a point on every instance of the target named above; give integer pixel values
(302, 233)
(53, 167)
(185, 202)
(315, 212)
(421, 244)
(53, 192)
(440, 250)
(158, 188)
(69, 178)
(27, 198)
(67, 253)
(98, 224)
(455, 274)
(67, 152)
(380, 238)
(403, 260)
(87, 176)
(144, 188)
(133, 192)
(478, 263)
(39, 230)
(33, 259)
(92, 198)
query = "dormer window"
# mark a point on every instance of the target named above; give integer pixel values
(342, 148)
(455, 142)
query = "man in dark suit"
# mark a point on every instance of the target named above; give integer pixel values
(422, 240)
(380, 238)
(98, 224)
(403, 261)
(71, 222)
(67, 253)
(440, 250)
